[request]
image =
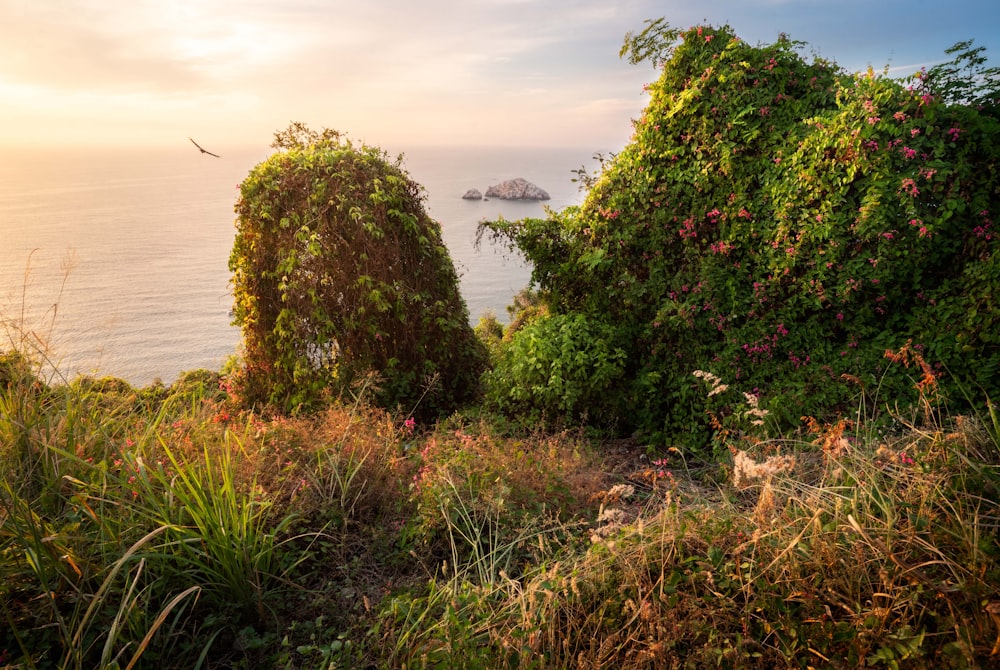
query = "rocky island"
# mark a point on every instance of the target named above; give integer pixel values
(516, 189)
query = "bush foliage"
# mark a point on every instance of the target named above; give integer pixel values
(781, 224)
(338, 271)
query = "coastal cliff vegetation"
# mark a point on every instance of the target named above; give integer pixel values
(744, 418)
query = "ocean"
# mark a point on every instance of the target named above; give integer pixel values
(117, 260)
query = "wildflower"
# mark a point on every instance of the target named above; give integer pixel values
(746, 469)
(909, 186)
(612, 515)
(610, 520)
(905, 460)
(410, 424)
(983, 230)
(717, 385)
(620, 492)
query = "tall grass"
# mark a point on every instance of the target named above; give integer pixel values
(850, 549)
(112, 543)
(217, 533)
(160, 527)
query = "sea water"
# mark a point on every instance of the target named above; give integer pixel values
(117, 260)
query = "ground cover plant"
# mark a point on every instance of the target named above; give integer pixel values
(214, 523)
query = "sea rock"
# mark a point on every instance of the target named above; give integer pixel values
(516, 189)
(472, 194)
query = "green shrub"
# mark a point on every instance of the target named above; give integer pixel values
(558, 367)
(780, 224)
(338, 271)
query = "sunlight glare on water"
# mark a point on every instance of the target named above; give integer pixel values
(119, 259)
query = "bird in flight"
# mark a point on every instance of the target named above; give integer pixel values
(204, 151)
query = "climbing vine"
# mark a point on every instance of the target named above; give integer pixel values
(338, 272)
(780, 224)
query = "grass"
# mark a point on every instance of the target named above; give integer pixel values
(160, 527)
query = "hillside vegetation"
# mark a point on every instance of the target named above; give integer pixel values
(773, 222)
(743, 420)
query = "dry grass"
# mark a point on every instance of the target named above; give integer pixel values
(456, 545)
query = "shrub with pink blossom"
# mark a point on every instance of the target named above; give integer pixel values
(780, 223)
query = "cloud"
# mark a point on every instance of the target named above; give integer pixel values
(441, 70)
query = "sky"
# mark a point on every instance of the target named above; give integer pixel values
(400, 73)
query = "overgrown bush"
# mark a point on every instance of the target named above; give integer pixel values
(339, 271)
(782, 224)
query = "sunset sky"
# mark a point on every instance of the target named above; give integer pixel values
(400, 72)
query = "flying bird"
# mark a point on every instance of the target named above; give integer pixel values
(204, 151)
